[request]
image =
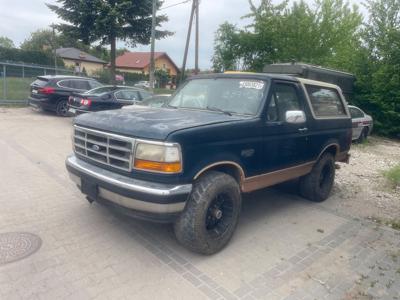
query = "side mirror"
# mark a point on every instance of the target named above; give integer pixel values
(295, 117)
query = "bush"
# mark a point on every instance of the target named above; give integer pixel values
(393, 175)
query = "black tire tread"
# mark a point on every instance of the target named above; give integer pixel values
(188, 227)
(309, 184)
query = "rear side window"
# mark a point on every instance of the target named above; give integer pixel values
(325, 102)
(127, 95)
(65, 84)
(40, 82)
(356, 113)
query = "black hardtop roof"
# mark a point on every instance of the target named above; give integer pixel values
(246, 75)
(300, 68)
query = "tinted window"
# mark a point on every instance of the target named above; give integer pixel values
(94, 84)
(356, 113)
(127, 95)
(241, 96)
(284, 98)
(65, 83)
(40, 82)
(80, 84)
(325, 101)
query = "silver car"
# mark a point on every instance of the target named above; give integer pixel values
(362, 123)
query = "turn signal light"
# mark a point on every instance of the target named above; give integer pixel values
(164, 167)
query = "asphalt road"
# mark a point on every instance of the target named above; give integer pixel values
(285, 247)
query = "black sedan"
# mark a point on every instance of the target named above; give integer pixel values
(106, 98)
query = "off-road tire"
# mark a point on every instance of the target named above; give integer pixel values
(317, 185)
(192, 228)
(62, 108)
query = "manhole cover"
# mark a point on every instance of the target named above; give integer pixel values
(17, 245)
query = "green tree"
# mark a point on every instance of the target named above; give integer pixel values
(5, 42)
(39, 40)
(326, 32)
(225, 42)
(379, 75)
(105, 21)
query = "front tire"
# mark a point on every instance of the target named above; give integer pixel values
(317, 185)
(62, 108)
(211, 214)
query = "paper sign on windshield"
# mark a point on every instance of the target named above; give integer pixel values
(258, 85)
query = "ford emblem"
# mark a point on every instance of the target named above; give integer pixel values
(95, 147)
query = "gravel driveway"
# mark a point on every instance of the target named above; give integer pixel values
(285, 247)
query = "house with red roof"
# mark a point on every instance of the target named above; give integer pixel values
(139, 62)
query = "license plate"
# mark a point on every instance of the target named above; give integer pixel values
(89, 188)
(72, 110)
(34, 91)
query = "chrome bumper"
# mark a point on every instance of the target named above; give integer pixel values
(78, 168)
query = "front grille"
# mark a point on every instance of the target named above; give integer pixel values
(109, 149)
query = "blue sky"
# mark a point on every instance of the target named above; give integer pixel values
(20, 17)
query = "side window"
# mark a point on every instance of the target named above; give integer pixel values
(284, 98)
(325, 102)
(80, 84)
(65, 84)
(356, 113)
(94, 84)
(127, 95)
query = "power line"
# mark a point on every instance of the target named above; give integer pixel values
(176, 4)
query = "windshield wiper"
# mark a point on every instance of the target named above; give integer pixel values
(212, 108)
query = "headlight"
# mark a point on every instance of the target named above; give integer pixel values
(158, 157)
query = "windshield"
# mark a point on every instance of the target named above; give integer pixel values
(236, 96)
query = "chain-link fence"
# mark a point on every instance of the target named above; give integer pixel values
(15, 80)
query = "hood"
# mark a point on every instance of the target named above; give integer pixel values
(151, 123)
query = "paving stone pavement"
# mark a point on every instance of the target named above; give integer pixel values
(284, 248)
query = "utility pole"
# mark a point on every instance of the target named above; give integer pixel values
(196, 60)
(54, 49)
(153, 37)
(188, 40)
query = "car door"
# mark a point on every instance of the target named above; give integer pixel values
(285, 144)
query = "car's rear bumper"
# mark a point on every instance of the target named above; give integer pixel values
(40, 103)
(76, 111)
(141, 199)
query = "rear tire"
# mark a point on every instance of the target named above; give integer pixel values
(62, 108)
(317, 185)
(211, 214)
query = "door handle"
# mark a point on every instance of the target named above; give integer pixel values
(302, 130)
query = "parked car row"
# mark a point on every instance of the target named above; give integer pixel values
(74, 95)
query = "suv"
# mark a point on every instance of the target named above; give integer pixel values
(220, 135)
(52, 92)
